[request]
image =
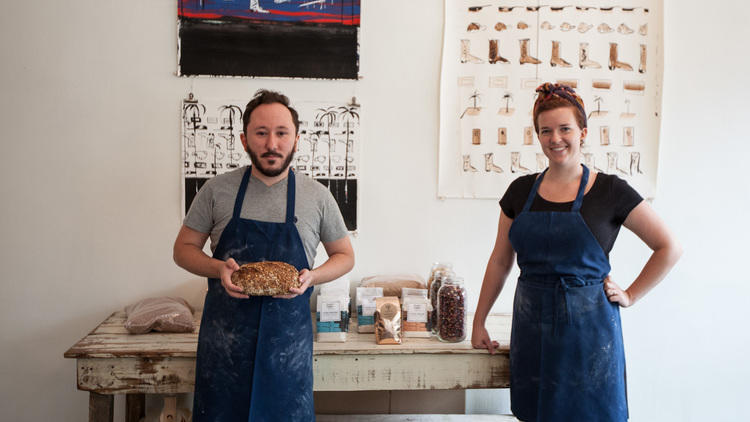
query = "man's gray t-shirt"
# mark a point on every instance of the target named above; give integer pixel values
(318, 215)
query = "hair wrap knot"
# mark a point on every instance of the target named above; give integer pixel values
(547, 90)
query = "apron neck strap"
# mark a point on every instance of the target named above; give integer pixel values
(290, 196)
(581, 189)
(532, 194)
(241, 193)
(579, 196)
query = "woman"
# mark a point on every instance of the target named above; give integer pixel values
(566, 355)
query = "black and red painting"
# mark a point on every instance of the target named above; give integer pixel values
(272, 38)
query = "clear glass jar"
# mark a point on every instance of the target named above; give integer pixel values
(451, 324)
(432, 293)
(437, 266)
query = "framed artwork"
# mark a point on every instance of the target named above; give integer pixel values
(328, 149)
(269, 38)
(496, 54)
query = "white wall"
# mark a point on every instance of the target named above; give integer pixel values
(90, 190)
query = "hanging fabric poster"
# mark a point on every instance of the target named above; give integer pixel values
(495, 54)
(328, 149)
(281, 38)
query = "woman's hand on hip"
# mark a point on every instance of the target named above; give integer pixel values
(480, 339)
(225, 273)
(615, 294)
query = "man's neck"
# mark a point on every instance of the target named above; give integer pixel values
(269, 181)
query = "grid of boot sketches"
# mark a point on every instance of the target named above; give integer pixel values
(496, 53)
(328, 149)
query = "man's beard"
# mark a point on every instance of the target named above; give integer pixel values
(269, 172)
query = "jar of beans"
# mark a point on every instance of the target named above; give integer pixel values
(452, 310)
(432, 293)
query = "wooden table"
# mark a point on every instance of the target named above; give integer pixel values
(110, 361)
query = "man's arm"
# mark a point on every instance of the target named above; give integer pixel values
(340, 261)
(188, 254)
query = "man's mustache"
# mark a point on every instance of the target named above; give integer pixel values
(271, 154)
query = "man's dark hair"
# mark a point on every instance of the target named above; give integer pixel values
(264, 96)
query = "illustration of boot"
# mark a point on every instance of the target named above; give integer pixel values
(467, 57)
(502, 136)
(612, 165)
(255, 7)
(583, 57)
(489, 164)
(547, 26)
(500, 26)
(643, 29)
(613, 62)
(635, 163)
(565, 27)
(541, 161)
(589, 160)
(515, 164)
(525, 57)
(584, 27)
(495, 53)
(556, 60)
(642, 66)
(475, 27)
(604, 28)
(624, 29)
(467, 164)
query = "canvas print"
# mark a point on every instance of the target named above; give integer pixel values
(496, 54)
(271, 38)
(328, 149)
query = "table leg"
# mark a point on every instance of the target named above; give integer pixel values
(135, 407)
(101, 407)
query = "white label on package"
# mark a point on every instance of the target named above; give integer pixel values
(417, 312)
(368, 306)
(331, 311)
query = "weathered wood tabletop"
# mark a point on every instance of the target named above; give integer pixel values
(112, 361)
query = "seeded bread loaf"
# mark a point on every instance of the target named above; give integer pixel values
(267, 278)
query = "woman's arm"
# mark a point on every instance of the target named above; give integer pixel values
(646, 224)
(498, 267)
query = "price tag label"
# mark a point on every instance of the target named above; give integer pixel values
(417, 312)
(330, 311)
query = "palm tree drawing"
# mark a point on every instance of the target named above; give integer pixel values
(349, 114)
(328, 116)
(507, 97)
(598, 112)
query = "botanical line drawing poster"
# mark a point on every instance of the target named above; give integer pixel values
(274, 38)
(328, 149)
(495, 54)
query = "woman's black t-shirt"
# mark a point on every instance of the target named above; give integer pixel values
(605, 206)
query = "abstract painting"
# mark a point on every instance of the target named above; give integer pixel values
(269, 38)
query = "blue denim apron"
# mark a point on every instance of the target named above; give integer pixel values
(255, 355)
(566, 353)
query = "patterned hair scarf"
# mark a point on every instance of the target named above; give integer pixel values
(547, 90)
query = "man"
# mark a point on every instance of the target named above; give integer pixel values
(255, 353)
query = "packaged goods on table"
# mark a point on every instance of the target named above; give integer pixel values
(387, 320)
(452, 310)
(365, 301)
(437, 281)
(332, 317)
(415, 307)
(393, 283)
